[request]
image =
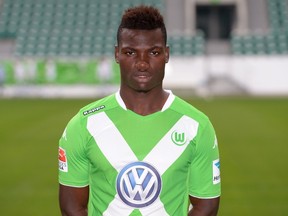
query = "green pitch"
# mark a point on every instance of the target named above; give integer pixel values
(252, 135)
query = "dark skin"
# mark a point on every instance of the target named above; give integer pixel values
(142, 55)
(73, 201)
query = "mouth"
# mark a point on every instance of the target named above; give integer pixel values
(142, 76)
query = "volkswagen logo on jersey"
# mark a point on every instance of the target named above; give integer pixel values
(138, 184)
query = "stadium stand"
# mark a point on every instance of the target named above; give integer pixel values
(187, 45)
(87, 28)
(73, 28)
(275, 41)
(64, 42)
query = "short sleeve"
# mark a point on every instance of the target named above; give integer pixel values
(204, 173)
(73, 162)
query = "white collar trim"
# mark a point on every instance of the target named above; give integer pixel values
(167, 104)
(119, 100)
(169, 100)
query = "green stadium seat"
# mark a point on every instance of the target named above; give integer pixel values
(68, 27)
(274, 42)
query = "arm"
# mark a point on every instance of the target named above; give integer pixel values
(73, 201)
(73, 169)
(205, 174)
(204, 207)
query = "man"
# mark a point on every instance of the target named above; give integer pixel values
(141, 151)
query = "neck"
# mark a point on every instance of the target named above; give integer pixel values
(144, 103)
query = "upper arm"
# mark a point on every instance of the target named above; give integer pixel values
(204, 173)
(73, 201)
(204, 207)
(73, 161)
(73, 170)
(204, 176)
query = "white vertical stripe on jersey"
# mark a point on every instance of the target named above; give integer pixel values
(117, 207)
(155, 209)
(104, 132)
(170, 151)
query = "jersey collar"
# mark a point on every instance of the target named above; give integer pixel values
(167, 104)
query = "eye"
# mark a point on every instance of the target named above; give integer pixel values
(130, 53)
(155, 53)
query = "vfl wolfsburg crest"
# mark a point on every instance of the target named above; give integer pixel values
(178, 138)
(138, 184)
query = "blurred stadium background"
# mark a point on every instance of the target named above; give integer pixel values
(228, 57)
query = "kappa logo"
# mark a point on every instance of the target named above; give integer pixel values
(138, 184)
(178, 138)
(87, 112)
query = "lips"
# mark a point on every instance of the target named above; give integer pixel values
(141, 76)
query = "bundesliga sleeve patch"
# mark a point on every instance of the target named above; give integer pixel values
(216, 171)
(63, 166)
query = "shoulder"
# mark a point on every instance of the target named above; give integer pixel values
(101, 105)
(106, 103)
(200, 122)
(183, 107)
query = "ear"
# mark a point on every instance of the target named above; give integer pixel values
(167, 54)
(116, 54)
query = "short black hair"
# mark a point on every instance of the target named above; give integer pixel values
(143, 18)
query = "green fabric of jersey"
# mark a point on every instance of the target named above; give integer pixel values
(140, 165)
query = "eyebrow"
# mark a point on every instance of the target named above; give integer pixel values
(149, 48)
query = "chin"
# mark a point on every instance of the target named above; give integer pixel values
(146, 89)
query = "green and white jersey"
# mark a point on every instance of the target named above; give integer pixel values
(140, 165)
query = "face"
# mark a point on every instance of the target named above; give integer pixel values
(142, 55)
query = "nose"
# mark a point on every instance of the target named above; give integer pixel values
(142, 65)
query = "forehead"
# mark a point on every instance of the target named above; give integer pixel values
(139, 37)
